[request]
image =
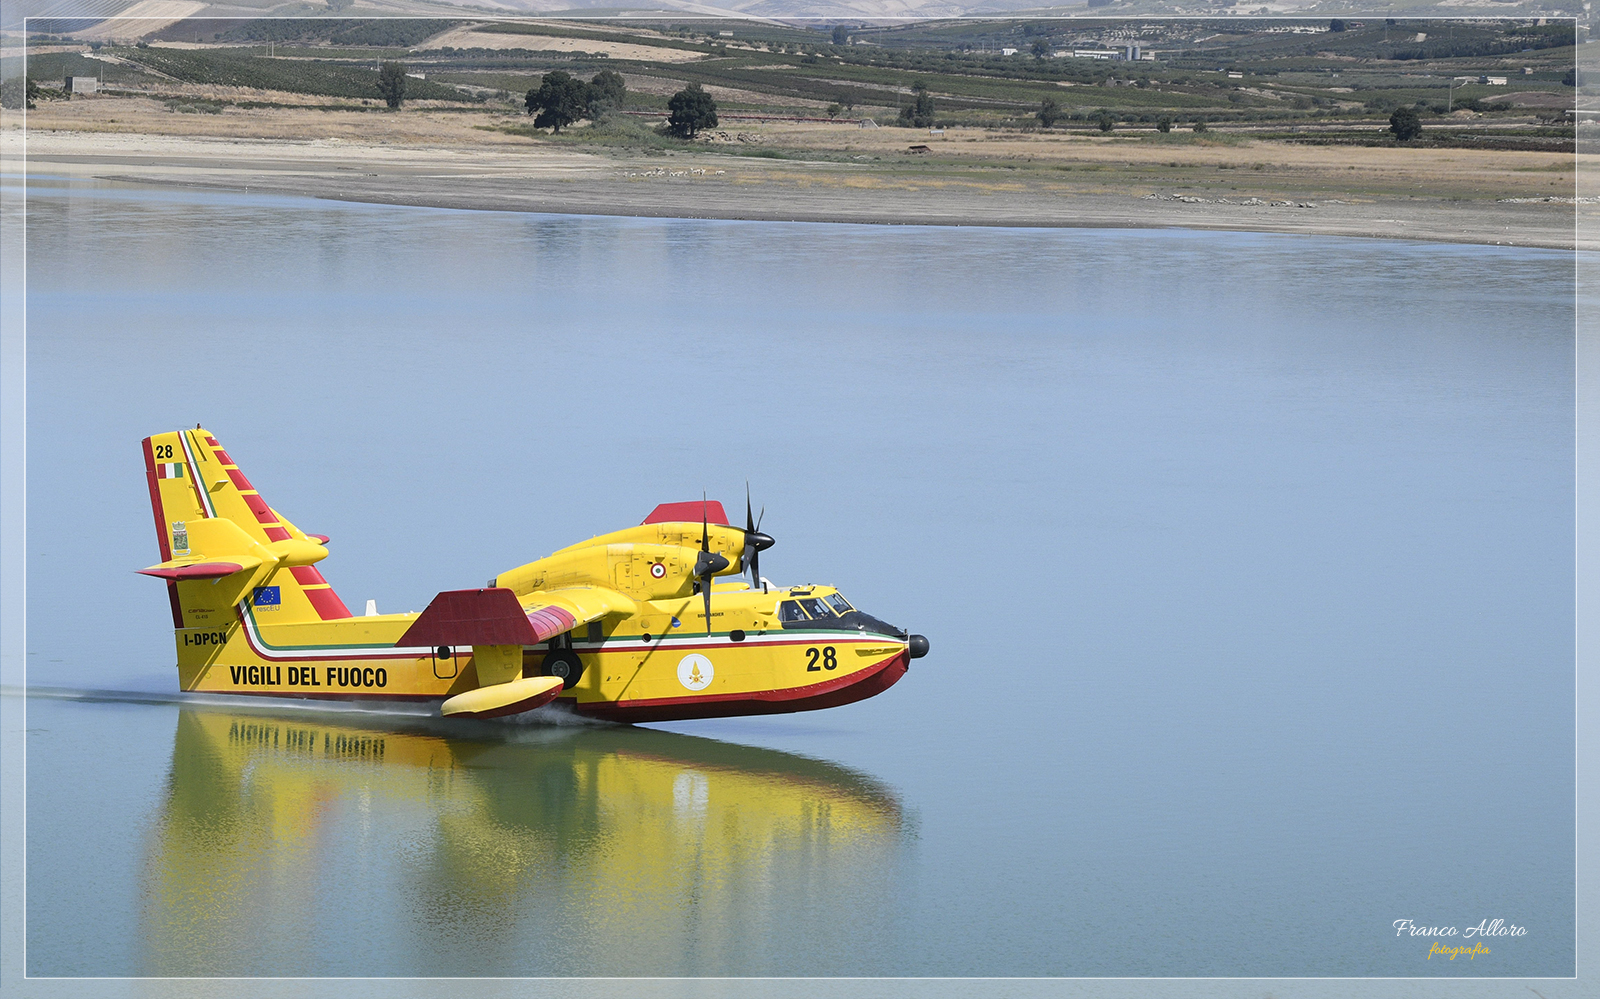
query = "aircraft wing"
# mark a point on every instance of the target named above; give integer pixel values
(494, 615)
(579, 604)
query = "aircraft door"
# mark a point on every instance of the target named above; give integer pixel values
(444, 662)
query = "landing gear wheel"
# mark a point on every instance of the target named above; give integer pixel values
(565, 664)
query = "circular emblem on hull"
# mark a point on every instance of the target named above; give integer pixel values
(695, 671)
(658, 570)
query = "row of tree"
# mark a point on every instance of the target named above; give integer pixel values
(1405, 123)
(559, 100)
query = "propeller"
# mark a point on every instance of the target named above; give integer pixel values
(707, 564)
(754, 541)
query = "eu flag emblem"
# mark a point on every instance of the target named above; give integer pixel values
(267, 597)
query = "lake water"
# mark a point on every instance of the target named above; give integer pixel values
(1247, 562)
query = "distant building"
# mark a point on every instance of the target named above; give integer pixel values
(1093, 54)
(1006, 52)
(417, 76)
(1493, 81)
(1235, 76)
(724, 34)
(83, 84)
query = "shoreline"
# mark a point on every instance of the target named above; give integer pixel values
(501, 175)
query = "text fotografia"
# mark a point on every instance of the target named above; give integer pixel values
(1454, 952)
(1487, 928)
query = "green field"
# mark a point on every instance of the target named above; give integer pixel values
(1247, 71)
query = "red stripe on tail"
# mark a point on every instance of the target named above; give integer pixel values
(326, 602)
(161, 528)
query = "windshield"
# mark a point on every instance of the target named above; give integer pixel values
(838, 603)
(817, 608)
(790, 610)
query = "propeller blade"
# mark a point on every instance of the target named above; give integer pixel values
(706, 566)
(706, 589)
(754, 541)
(752, 555)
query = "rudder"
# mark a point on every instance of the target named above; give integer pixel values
(193, 479)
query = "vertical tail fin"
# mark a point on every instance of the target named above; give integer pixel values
(193, 479)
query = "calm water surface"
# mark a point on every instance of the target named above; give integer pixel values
(1246, 560)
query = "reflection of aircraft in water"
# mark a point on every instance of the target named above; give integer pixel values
(315, 845)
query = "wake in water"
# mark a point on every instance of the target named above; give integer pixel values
(555, 715)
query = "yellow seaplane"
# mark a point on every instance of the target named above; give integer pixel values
(630, 626)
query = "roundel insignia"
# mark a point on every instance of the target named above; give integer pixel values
(658, 570)
(695, 671)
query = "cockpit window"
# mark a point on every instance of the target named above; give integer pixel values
(790, 610)
(818, 609)
(838, 603)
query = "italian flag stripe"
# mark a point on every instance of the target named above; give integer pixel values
(174, 470)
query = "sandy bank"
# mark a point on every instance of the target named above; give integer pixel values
(440, 160)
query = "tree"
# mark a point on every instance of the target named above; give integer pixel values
(841, 34)
(692, 109)
(1200, 125)
(1405, 124)
(1164, 123)
(1041, 48)
(835, 110)
(606, 92)
(1336, 25)
(1105, 119)
(1049, 112)
(919, 113)
(392, 83)
(559, 100)
(18, 93)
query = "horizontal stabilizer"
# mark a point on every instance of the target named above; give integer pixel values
(189, 569)
(694, 511)
(503, 698)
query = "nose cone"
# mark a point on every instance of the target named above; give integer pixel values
(760, 542)
(709, 563)
(919, 646)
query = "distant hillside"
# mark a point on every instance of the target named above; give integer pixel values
(78, 15)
